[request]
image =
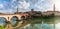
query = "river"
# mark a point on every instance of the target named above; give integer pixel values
(33, 23)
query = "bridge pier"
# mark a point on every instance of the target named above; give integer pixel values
(19, 19)
(7, 19)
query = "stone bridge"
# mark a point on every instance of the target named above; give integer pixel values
(8, 17)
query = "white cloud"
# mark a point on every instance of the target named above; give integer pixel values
(23, 4)
(47, 6)
(15, 7)
(41, 0)
(9, 11)
(38, 6)
(1, 6)
(13, 0)
(57, 4)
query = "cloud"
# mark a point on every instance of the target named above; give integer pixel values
(26, 5)
(57, 5)
(9, 11)
(23, 4)
(38, 6)
(41, 0)
(44, 5)
(1, 6)
(13, 0)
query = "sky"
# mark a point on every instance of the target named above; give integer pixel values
(10, 6)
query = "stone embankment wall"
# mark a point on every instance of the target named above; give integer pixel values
(48, 13)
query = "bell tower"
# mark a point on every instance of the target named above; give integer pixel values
(17, 11)
(32, 10)
(54, 8)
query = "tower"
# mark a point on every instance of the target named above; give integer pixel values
(54, 7)
(17, 11)
(32, 10)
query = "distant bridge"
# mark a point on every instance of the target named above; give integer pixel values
(8, 17)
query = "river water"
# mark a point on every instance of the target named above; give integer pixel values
(33, 23)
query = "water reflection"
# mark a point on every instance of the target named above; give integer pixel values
(13, 21)
(2, 21)
(47, 26)
(57, 26)
(9, 26)
(34, 23)
(42, 23)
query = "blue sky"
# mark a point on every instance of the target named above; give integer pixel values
(10, 6)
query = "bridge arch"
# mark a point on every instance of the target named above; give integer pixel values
(13, 20)
(3, 18)
(15, 17)
(3, 21)
(23, 17)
